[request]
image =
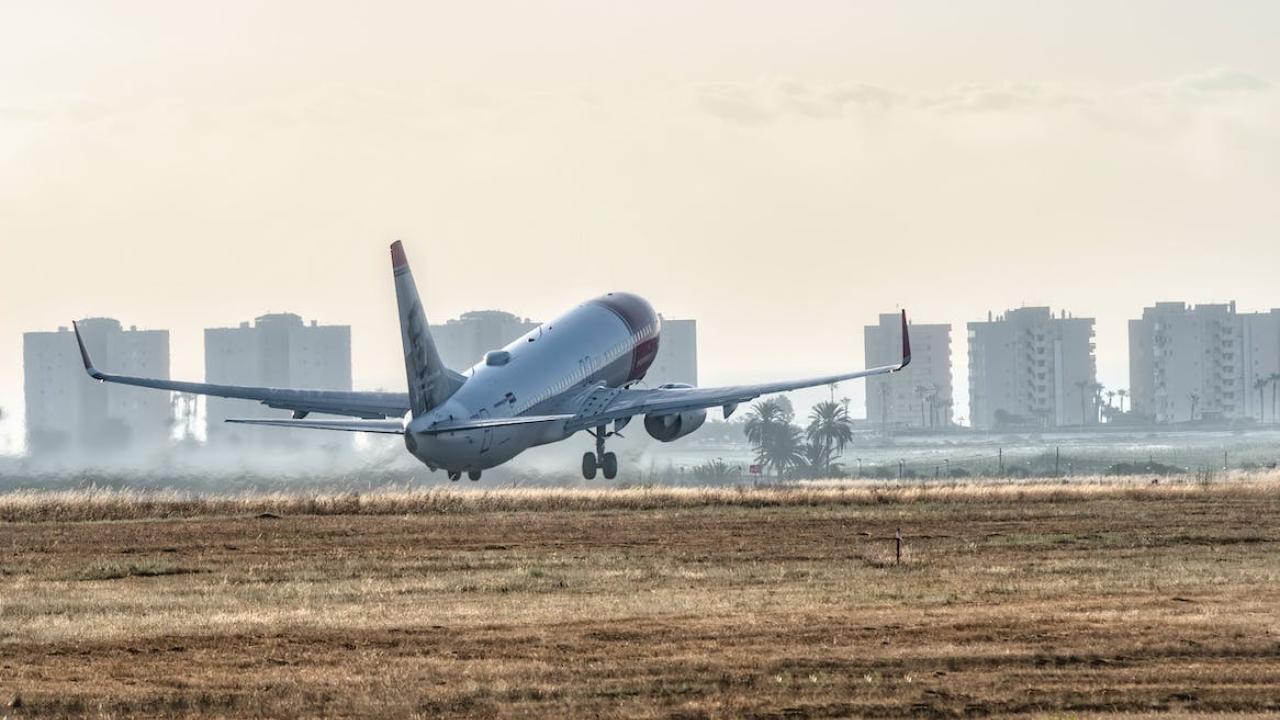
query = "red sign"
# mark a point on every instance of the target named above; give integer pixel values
(754, 469)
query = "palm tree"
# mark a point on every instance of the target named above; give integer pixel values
(769, 430)
(944, 405)
(1275, 382)
(785, 449)
(830, 427)
(761, 424)
(932, 397)
(1261, 386)
(921, 392)
(763, 418)
(818, 457)
(1195, 400)
(716, 471)
(1122, 394)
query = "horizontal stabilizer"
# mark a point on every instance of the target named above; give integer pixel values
(460, 425)
(389, 427)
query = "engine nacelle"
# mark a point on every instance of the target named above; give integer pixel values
(673, 427)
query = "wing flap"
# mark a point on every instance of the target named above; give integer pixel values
(387, 427)
(460, 425)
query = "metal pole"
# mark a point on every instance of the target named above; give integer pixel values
(897, 547)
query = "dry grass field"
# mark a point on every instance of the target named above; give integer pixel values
(1044, 600)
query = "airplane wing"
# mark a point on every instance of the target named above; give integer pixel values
(661, 401)
(370, 405)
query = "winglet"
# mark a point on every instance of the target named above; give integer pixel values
(906, 343)
(84, 354)
(398, 259)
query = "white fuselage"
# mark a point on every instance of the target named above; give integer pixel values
(606, 342)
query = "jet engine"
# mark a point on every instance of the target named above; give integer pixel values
(673, 427)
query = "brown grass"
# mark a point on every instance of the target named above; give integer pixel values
(88, 504)
(1043, 600)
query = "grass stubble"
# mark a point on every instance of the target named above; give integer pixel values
(1048, 599)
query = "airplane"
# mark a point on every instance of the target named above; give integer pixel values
(577, 372)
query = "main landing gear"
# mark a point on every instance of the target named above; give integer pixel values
(606, 462)
(472, 475)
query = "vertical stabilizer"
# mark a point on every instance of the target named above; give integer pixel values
(430, 383)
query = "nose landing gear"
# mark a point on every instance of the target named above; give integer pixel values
(599, 460)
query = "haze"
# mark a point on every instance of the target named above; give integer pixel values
(781, 172)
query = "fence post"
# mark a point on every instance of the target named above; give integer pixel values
(1057, 461)
(897, 547)
(1001, 461)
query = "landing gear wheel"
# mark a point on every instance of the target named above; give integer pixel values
(454, 475)
(589, 465)
(610, 466)
(473, 475)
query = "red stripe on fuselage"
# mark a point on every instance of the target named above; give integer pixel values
(642, 357)
(638, 315)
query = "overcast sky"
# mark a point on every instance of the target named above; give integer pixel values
(780, 171)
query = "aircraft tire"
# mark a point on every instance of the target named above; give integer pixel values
(610, 466)
(473, 475)
(589, 465)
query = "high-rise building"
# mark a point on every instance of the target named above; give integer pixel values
(1261, 367)
(1201, 362)
(277, 350)
(462, 342)
(921, 396)
(1028, 367)
(677, 359)
(67, 412)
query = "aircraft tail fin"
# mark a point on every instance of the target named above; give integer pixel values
(430, 382)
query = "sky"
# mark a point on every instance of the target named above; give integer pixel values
(782, 172)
